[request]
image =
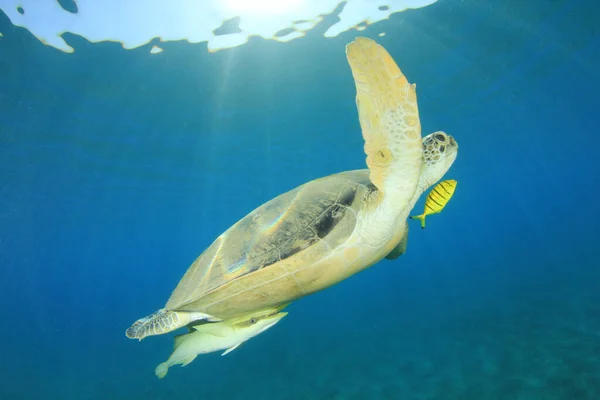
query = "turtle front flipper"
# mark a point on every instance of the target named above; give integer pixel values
(389, 119)
(164, 321)
(400, 248)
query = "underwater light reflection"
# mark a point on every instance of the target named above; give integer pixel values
(263, 7)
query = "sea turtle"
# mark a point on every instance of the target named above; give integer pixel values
(328, 229)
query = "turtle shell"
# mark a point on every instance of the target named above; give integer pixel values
(249, 263)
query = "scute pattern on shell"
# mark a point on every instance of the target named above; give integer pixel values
(321, 210)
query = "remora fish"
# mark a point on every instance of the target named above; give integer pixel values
(437, 200)
(216, 336)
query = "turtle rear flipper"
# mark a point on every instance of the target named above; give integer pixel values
(164, 321)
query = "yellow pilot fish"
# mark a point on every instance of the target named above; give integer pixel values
(437, 200)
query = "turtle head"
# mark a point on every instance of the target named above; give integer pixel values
(439, 152)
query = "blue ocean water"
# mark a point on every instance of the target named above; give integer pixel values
(117, 169)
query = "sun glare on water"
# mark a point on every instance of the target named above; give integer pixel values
(263, 7)
(222, 24)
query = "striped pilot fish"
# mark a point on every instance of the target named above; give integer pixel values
(437, 200)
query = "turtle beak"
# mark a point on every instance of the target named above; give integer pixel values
(452, 141)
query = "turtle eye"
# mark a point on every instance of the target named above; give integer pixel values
(440, 137)
(252, 321)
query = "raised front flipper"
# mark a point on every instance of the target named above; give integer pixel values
(389, 118)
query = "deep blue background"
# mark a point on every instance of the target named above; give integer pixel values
(117, 168)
